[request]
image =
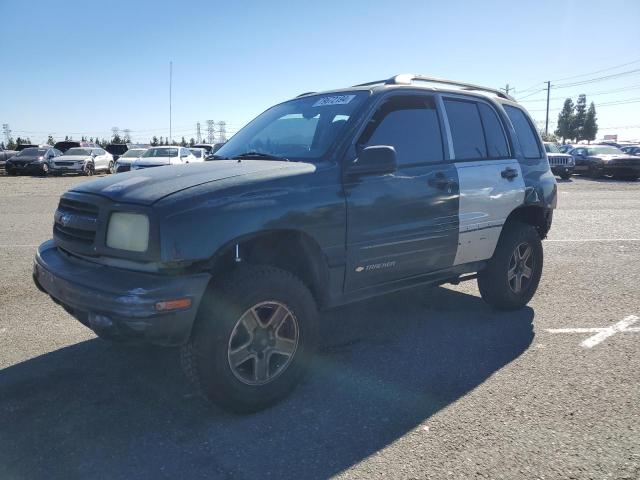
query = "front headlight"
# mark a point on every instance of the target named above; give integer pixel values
(128, 231)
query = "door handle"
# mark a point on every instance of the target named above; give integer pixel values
(509, 173)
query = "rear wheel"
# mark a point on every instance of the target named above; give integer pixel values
(45, 170)
(513, 273)
(253, 339)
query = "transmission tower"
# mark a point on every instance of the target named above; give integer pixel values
(198, 134)
(7, 133)
(211, 131)
(115, 131)
(127, 135)
(222, 132)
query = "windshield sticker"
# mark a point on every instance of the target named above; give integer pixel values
(334, 100)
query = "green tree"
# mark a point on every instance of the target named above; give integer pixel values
(161, 141)
(183, 142)
(166, 141)
(50, 140)
(192, 142)
(154, 141)
(11, 145)
(565, 128)
(580, 117)
(590, 129)
(116, 139)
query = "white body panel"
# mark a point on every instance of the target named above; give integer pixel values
(486, 200)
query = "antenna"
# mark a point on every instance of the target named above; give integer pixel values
(170, 80)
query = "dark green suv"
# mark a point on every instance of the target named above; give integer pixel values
(322, 200)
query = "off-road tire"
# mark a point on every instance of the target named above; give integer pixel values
(565, 176)
(204, 358)
(493, 281)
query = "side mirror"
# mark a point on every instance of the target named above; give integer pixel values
(375, 160)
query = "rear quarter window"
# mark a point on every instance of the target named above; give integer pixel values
(527, 137)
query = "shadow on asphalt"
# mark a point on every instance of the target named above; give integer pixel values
(100, 410)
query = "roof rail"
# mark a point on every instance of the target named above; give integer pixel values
(305, 93)
(408, 78)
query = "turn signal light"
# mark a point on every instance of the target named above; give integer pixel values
(178, 304)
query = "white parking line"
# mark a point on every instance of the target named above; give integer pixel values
(601, 334)
(18, 246)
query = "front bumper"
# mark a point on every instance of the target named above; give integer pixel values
(622, 169)
(71, 168)
(35, 167)
(562, 169)
(116, 303)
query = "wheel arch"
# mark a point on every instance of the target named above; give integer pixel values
(535, 215)
(289, 249)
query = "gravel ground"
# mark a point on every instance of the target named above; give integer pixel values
(421, 384)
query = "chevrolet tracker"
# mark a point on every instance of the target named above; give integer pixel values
(322, 200)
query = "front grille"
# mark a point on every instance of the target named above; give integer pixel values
(123, 168)
(558, 161)
(64, 164)
(76, 223)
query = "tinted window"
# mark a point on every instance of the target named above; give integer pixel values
(466, 130)
(409, 124)
(497, 146)
(524, 130)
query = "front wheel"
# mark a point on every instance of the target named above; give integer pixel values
(254, 337)
(512, 276)
(89, 169)
(111, 167)
(565, 176)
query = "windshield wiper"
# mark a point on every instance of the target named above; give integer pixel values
(259, 155)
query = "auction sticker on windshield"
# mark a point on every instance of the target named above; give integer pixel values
(334, 100)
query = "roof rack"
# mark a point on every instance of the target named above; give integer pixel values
(305, 93)
(408, 78)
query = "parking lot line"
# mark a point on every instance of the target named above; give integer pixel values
(601, 334)
(577, 240)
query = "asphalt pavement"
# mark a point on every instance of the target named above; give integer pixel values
(427, 383)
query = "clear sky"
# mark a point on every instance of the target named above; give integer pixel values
(82, 67)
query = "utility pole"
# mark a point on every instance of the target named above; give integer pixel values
(546, 123)
(7, 133)
(506, 89)
(211, 127)
(115, 132)
(170, 80)
(198, 134)
(222, 132)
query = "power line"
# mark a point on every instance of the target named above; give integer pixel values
(597, 71)
(598, 79)
(593, 94)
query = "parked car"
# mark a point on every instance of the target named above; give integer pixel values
(199, 153)
(65, 145)
(161, 156)
(123, 164)
(561, 164)
(597, 161)
(631, 150)
(6, 155)
(83, 160)
(322, 200)
(32, 160)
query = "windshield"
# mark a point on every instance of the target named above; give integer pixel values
(133, 153)
(604, 150)
(32, 152)
(78, 151)
(161, 152)
(301, 129)
(551, 148)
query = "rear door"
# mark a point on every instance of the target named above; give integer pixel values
(489, 175)
(402, 224)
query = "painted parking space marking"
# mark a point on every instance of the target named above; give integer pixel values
(601, 334)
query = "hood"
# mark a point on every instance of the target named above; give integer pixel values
(147, 186)
(609, 157)
(71, 158)
(154, 161)
(26, 159)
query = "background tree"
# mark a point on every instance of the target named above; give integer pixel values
(50, 140)
(166, 141)
(116, 138)
(11, 144)
(183, 142)
(83, 138)
(566, 121)
(161, 141)
(192, 142)
(580, 117)
(154, 141)
(590, 129)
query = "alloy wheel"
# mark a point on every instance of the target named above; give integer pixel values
(263, 343)
(521, 267)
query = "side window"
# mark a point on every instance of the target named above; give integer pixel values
(497, 146)
(466, 130)
(524, 130)
(410, 124)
